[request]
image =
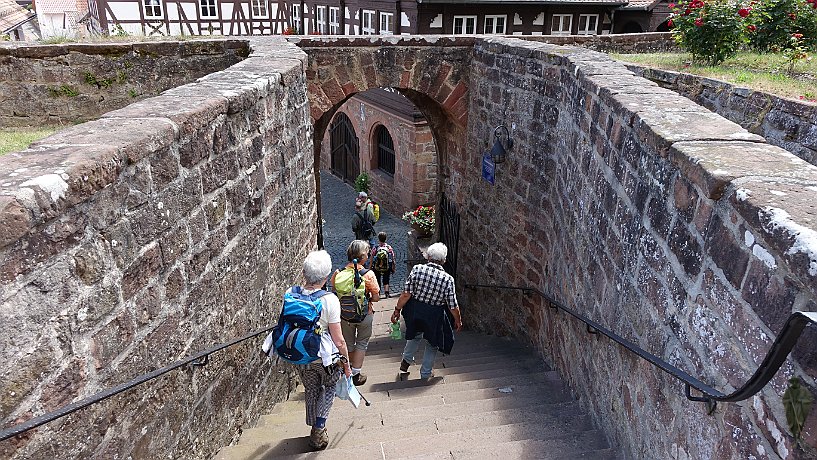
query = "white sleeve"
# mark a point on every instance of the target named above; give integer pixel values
(332, 308)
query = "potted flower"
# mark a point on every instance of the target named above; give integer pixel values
(421, 219)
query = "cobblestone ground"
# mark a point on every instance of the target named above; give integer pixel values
(338, 207)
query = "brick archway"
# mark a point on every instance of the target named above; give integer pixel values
(433, 72)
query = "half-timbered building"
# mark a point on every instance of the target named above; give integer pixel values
(358, 17)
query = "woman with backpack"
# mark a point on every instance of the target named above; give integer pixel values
(319, 380)
(356, 288)
(383, 262)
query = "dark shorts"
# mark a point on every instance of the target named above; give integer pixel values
(383, 278)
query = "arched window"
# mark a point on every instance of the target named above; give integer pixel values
(385, 150)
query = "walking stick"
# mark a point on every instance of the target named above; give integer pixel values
(364, 398)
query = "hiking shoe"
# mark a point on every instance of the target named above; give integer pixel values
(404, 366)
(359, 379)
(318, 438)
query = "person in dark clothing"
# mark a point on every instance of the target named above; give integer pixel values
(383, 264)
(431, 306)
(363, 220)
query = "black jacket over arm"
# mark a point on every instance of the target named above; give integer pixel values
(434, 321)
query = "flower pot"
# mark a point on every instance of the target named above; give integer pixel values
(423, 233)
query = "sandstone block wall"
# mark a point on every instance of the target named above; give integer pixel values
(157, 231)
(71, 83)
(669, 224)
(783, 122)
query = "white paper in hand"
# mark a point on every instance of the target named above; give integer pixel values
(354, 396)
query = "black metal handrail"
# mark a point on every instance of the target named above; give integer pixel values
(778, 353)
(198, 359)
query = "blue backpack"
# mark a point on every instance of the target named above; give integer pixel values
(297, 336)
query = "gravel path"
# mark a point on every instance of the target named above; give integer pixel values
(338, 206)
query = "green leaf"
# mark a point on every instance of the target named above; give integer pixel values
(797, 401)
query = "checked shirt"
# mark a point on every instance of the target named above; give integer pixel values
(430, 283)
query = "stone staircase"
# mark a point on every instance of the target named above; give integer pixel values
(491, 397)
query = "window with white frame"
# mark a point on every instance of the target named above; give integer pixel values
(296, 18)
(259, 8)
(561, 24)
(320, 19)
(495, 24)
(465, 25)
(153, 8)
(386, 23)
(367, 24)
(208, 8)
(334, 20)
(588, 23)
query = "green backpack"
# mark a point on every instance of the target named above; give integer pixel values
(351, 291)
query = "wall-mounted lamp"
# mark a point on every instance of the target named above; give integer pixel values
(498, 151)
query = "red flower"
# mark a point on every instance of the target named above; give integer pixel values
(699, 22)
(669, 23)
(792, 16)
(697, 4)
(687, 11)
(751, 28)
(743, 12)
(672, 6)
(797, 36)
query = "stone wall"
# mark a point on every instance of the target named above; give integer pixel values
(160, 230)
(415, 178)
(651, 42)
(70, 83)
(786, 123)
(668, 224)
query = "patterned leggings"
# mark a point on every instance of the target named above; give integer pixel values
(319, 389)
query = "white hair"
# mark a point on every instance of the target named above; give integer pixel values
(317, 266)
(437, 252)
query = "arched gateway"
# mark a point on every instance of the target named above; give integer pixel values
(432, 73)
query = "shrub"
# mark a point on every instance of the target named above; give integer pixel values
(774, 21)
(712, 31)
(362, 183)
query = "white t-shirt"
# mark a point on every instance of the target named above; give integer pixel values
(330, 314)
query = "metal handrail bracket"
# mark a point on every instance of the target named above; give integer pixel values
(779, 351)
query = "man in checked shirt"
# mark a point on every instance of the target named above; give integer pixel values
(429, 297)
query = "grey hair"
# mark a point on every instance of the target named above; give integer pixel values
(317, 266)
(437, 252)
(357, 249)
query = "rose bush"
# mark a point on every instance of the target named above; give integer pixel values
(775, 21)
(712, 31)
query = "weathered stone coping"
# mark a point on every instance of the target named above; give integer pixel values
(784, 122)
(770, 187)
(643, 42)
(69, 167)
(154, 47)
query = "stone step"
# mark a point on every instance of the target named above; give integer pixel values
(488, 353)
(527, 449)
(416, 443)
(463, 340)
(452, 367)
(363, 430)
(293, 412)
(459, 414)
(439, 386)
